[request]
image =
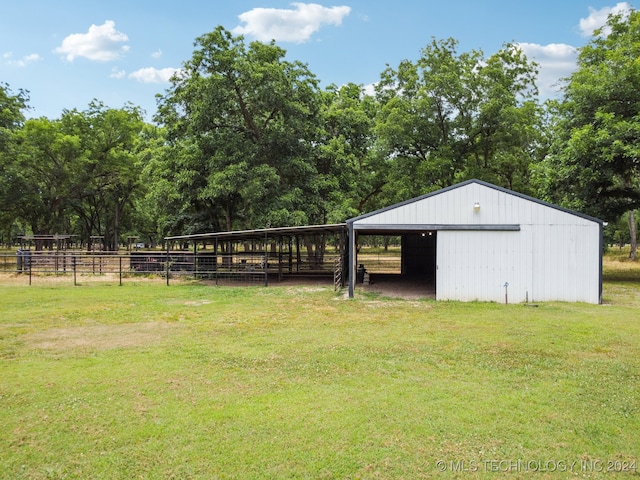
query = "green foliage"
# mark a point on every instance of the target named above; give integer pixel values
(617, 233)
(241, 122)
(247, 139)
(450, 117)
(42, 175)
(12, 107)
(350, 170)
(594, 159)
(77, 174)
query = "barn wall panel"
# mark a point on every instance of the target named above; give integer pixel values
(476, 265)
(566, 263)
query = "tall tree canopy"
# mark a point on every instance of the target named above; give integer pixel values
(76, 174)
(247, 139)
(594, 164)
(451, 116)
(241, 122)
(12, 107)
(351, 171)
(107, 174)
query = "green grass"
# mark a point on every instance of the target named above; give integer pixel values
(193, 381)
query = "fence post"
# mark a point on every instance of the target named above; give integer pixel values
(120, 258)
(167, 263)
(73, 263)
(215, 254)
(195, 260)
(266, 257)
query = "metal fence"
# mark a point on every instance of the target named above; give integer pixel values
(38, 264)
(248, 268)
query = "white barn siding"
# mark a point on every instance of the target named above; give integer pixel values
(475, 265)
(565, 265)
(555, 254)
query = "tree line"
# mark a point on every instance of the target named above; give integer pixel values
(244, 138)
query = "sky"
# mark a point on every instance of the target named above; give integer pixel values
(66, 53)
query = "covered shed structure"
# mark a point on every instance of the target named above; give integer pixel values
(261, 255)
(477, 241)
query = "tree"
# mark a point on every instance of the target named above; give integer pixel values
(505, 136)
(12, 106)
(240, 123)
(107, 174)
(351, 172)
(152, 207)
(594, 163)
(451, 116)
(76, 174)
(42, 179)
(11, 112)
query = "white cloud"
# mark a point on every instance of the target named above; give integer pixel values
(116, 73)
(370, 89)
(22, 62)
(153, 75)
(157, 54)
(293, 25)
(597, 18)
(102, 43)
(556, 61)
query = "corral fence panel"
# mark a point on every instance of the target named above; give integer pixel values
(243, 267)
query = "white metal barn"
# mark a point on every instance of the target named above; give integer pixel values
(480, 242)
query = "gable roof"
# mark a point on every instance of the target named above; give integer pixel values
(479, 182)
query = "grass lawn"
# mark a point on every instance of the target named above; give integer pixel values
(193, 381)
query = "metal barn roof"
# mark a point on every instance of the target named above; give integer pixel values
(262, 232)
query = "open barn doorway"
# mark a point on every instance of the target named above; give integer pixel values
(419, 256)
(406, 267)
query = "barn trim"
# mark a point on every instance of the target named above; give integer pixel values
(427, 227)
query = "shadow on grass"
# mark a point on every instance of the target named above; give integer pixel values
(622, 276)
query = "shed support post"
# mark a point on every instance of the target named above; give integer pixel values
(280, 259)
(167, 260)
(195, 259)
(343, 256)
(266, 259)
(352, 259)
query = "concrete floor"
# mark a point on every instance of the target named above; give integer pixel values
(399, 286)
(386, 285)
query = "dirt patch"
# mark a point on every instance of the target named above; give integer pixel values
(307, 289)
(101, 337)
(395, 304)
(84, 279)
(399, 287)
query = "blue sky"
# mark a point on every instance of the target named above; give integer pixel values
(68, 52)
